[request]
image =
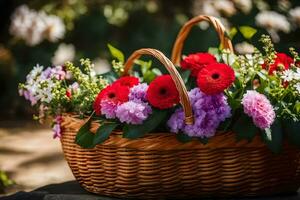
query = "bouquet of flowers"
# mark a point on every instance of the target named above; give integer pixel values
(249, 94)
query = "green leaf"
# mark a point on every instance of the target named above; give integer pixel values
(103, 132)
(292, 129)
(214, 50)
(232, 32)
(275, 144)
(110, 76)
(183, 138)
(247, 31)
(185, 74)
(135, 131)
(203, 140)
(84, 136)
(244, 128)
(116, 53)
(149, 76)
(156, 71)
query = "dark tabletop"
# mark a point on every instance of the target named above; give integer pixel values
(73, 191)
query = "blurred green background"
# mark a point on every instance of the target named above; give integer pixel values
(129, 25)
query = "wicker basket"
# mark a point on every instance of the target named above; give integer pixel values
(157, 166)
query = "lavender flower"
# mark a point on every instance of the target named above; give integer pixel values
(209, 112)
(138, 92)
(133, 112)
(258, 107)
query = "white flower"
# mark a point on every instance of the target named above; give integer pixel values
(297, 86)
(297, 74)
(101, 66)
(36, 71)
(64, 52)
(33, 27)
(244, 5)
(287, 75)
(295, 15)
(225, 6)
(244, 48)
(55, 28)
(271, 20)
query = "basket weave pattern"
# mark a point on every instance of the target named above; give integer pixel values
(133, 168)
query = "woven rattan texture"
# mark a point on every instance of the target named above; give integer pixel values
(168, 169)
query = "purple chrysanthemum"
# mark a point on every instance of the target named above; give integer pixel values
(133, 112)
(209, 111)
(258, 107)
(108, 108)
(138, 92)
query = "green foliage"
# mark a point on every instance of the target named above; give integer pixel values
(116, 53)
(84, 137)
(4, 181)
(183, 137)
(151, 123)
(273, 137)
(103, 132)
(247, 31)
(292, 130)
(244, 128)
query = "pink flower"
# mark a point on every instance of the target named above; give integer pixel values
(258, 107)
(57, 126)
(108, 108)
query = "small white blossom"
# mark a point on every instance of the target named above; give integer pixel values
(273, 22)
(288, 75)
(244, 48)
(244, 5)
(295, 15)
(54, 28)
(225, 6)
(297, 74)
(297, 86)
(101, 66)
(33, 27)
(64, 52)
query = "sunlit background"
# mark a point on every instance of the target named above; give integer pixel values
(51, 32)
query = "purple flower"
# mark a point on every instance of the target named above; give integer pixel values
(108, 108)
(57, 126)
(138, 92)
(176, 121)
(258, 107)
(209, 111)
(133, 112)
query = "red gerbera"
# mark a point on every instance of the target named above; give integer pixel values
(162, 92)
(215, 78)
(195, 62)
(281, 62)
(116, 93)
(128, 81)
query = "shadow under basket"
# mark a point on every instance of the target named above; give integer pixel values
(157, 166)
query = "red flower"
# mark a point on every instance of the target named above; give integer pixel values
(195, 62)
(281, 62)
(69, 93)
(162, 92)
(128, 81)
(215, 78)
(116, 93)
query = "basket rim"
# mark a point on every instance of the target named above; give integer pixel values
(159, 141)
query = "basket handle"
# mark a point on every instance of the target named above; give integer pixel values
(178, 45)
(183, 94)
